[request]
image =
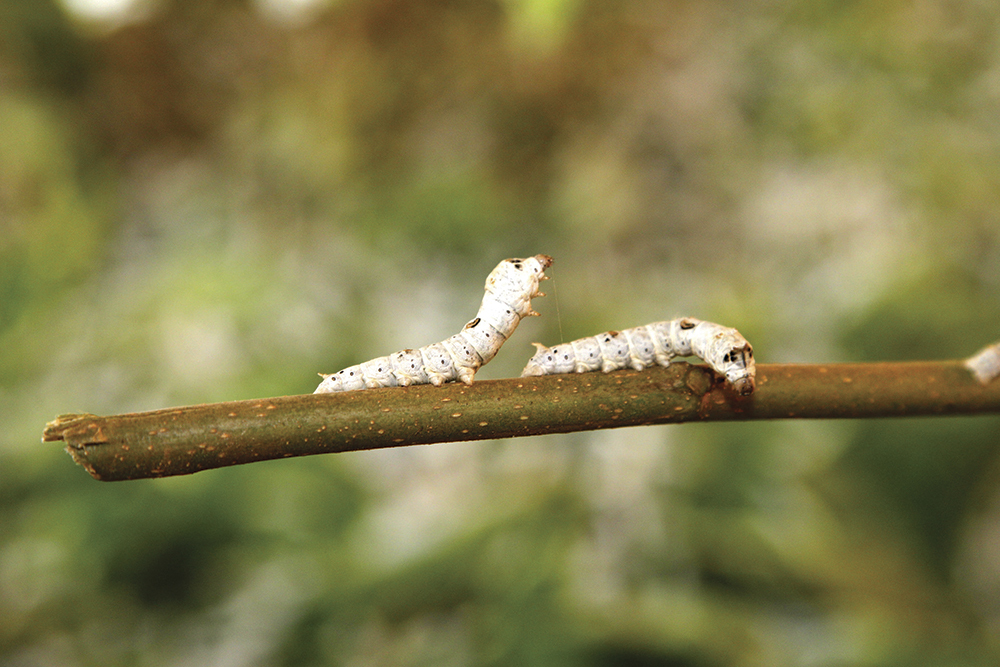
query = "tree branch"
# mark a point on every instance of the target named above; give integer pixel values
(184, 440)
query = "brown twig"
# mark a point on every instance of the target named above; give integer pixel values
(184, 440)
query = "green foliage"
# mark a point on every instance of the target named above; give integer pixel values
(206, 204)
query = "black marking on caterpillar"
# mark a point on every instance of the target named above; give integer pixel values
(985, 364)
(509, 290)
(722, 348)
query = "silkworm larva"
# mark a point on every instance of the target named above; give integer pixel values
(722, 348)
(509, 290)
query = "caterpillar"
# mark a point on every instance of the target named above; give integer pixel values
(985, 364)
(509, 290)
(722, 348)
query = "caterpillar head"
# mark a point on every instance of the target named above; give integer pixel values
(536, 265)
(519, 272)
(514, 282)
(740, 369)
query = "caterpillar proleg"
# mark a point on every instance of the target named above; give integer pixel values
(722, 348)
(985, 364)
(509, 290)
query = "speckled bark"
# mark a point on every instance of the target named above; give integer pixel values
(184, 440)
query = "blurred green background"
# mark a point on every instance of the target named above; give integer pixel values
(210, 201)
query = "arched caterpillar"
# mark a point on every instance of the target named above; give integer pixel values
(509, 290)
(722, 348)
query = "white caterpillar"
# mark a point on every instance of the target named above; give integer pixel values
(722, 348)
(985, 364)
(509, 290)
